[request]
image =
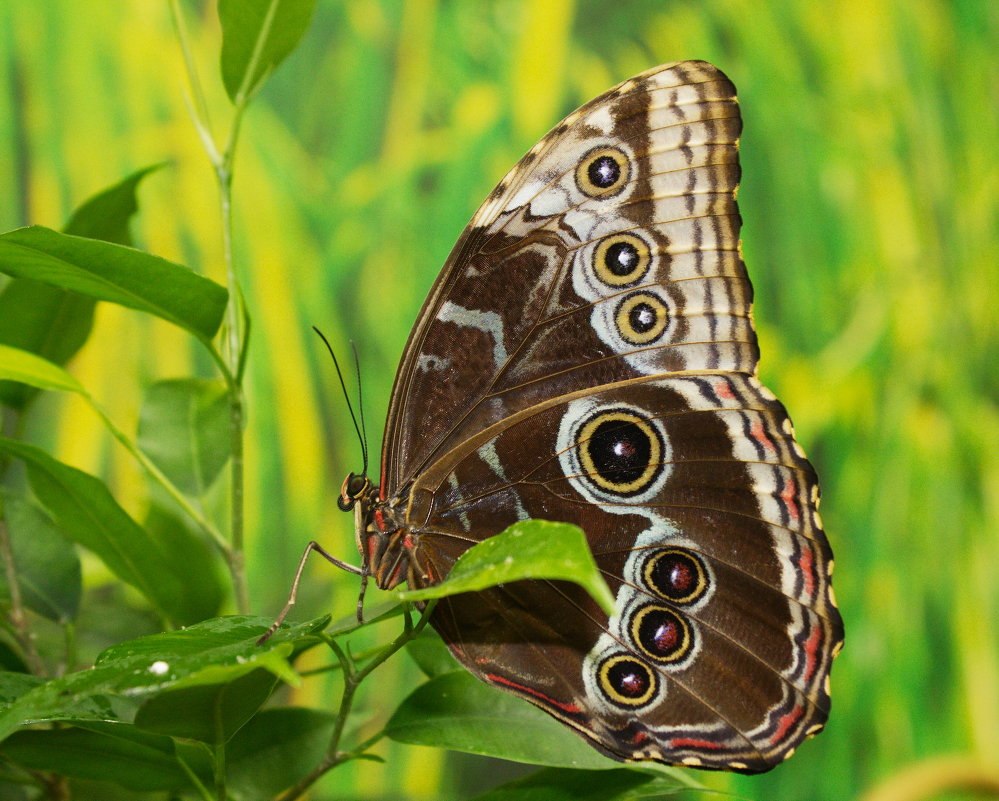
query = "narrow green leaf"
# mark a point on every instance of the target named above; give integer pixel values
(116, 274)
(561, 784)
(184, 429)
(48, 567)
(209, 713)
(276, 749)
(257, 35)
(84, 509)
(125, 675)
(53, 322)
(461, 713)
(106, 215)
(531, 549)
(27, 368)
(113, 752)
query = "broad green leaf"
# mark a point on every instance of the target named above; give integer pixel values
(210, 713)
(189, 555)
(257, 35)
(531, 549)
(184, 429)
(53, 322)
(48, 567)
(208, 653)
(459, 712)
(42, 319)
(561, 784)
(431, 654)
(277, 748)
(116, 274)
(84, 509)
(113, 752)
(27, 368)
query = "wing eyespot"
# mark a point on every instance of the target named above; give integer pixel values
(621, 260)
(603, 172)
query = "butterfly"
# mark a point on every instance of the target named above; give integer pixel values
(587, 355)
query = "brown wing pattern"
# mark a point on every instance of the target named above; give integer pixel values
(527, 307)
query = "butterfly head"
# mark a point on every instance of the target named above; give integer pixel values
(354, 488)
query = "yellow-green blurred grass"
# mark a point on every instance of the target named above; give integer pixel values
(870, 201)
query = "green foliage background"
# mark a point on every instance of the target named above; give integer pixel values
(871, 206)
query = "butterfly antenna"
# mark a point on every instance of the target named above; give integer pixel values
(346, 397)
(360, 408)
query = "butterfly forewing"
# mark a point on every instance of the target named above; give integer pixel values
(559, 284)
(587, 355)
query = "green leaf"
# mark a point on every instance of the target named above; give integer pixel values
(184, 429)
(431, 655)
(530, 549)
(210, 713)
(561, 784)
(209, 653)
(42, 319)
(189, 555)
(48, 567)
(84, 509)
(257, 35)
(53, 322)
(116, 274)
(113, 752)
(461, 713)
(106, 215)
(275, 750)
(27, 368)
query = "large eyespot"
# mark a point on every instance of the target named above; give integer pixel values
(621, 259)
(675, 575)
(602, 172)
(620, 452)
(641, 318)
(626, 681)
(660, 633)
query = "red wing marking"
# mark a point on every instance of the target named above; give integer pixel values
(788, 496)
(786, 722)
(757, 433)
(806, 563)
(572, 709)
(724, 390)
(688, 742)
(811, 652)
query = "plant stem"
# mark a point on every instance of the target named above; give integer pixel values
(352, 678)
(18, 619)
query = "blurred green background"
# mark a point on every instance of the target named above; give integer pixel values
(871, 205)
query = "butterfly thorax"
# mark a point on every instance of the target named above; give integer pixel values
(383, 540)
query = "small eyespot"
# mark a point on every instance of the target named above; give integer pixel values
(641, 318)
(620, 452)
(621, 259)
(602, 172)
(675, 575)
(627, 681)
(660, 633)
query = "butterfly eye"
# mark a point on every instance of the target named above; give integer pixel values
(621, 259)
(626, 681)
(353, 488)
(661, 633)
(641, 318)
(676, 575)
(602, 172)
(620, 452)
